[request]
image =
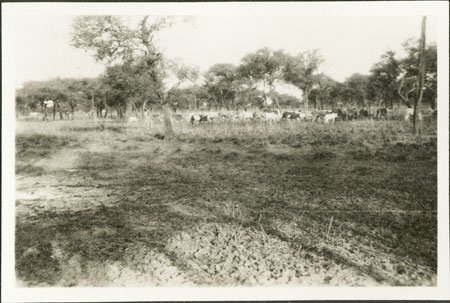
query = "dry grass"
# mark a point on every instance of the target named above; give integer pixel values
(252, 203)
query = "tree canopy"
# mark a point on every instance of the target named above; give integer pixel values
(138, 76)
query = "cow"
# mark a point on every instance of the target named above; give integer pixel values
(330, 117)
(33, 115)
(341, 116)
(363, 113)
(319, 115)
(199, 118)
(178, 117)
(132, 120)
(246, 115)
(306, 115)
(224, 116)
(295, 117)
(352, 114)
(258, 115)
(410, 113)
(212, 116)
(290, 115)
(272, 116)
(381, 113)
(157, 117)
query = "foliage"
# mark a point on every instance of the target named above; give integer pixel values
(355, 89)
(265, 67)
(220, 81)
(326, 92)
(409, 67)
(382, 87)
(138, 77)
(300, 70)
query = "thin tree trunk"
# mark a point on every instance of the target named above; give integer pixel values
(94, 113)
(421, 77)
(60, 112)
(106, 108)
(195, 101)
(167, 113)
(306, 99)
(128, 110)
(272, 92)
(44, 111)
(143, 109)
(135, 110)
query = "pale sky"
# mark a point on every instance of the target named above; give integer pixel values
(348, 44)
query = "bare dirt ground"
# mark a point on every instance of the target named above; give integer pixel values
(309, 208)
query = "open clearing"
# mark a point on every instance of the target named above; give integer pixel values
(103, 204)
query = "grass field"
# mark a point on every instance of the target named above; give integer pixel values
(109, 204)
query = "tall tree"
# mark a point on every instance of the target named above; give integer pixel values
(382, 85)
(324, 93)
(410, 70)
(112, 40)
(356, 87)
(301, 71)
(264, 66)
(421, 76)
(220, 81)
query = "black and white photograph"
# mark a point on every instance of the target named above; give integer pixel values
(229, 150)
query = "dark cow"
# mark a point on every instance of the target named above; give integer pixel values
(199, 118)
(341, 116)
(319, 115)
(294, 116)
(291, 116)
(352, 114)
(381, 113)
(363, 113)
(178, 117)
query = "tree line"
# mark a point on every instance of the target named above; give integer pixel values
(138, 77)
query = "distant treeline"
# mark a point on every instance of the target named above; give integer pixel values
(126, 87)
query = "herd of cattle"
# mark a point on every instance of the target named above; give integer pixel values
(325, 116)
(274, 115)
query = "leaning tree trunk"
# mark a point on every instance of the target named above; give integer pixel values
(167, 113)
(421, 78)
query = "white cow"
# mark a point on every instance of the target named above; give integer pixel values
(330, 117)
(272, 116)
(212, 116)
(307, 115)
(49, 103)
(246, 116)
(409, 114)
(132, 120)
